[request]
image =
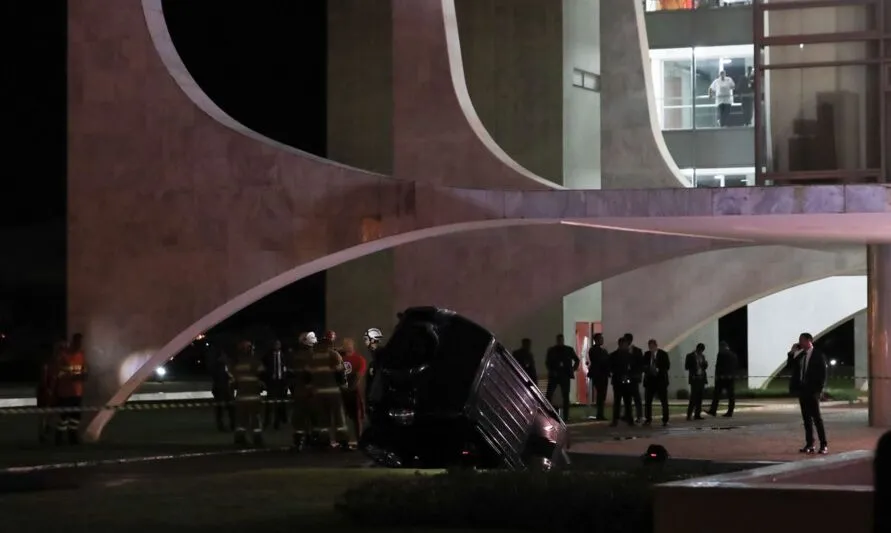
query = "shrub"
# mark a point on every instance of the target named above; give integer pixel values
(602, 502)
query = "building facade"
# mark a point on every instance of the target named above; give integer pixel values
(505, 158)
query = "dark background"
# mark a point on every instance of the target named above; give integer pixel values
(263, 62)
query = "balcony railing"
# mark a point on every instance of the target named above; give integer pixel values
(674, 5)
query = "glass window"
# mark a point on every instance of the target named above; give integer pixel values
(822, 118)
(673, 85)
(721, 177)
(689, 88)
(728, 100)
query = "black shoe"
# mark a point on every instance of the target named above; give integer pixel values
(727, 415)
(698, 417)
(824, 449)
(60, 437)
(344, 446)
(637, 420)
(241, 438)
(689, 418)
(665, 423)
(647, 422)
(299, 443)
(808, 449)
(73, 437)
(711, 413)
(259, 442)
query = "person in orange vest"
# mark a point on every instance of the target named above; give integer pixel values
(45, 389)
(353, 392)
(70, 374)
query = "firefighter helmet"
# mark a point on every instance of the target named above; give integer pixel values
(308, 338)
(373, 336)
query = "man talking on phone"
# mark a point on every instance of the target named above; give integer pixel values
(808, 380)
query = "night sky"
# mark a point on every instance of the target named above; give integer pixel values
(264, 64)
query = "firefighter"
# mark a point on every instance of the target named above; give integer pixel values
(355, 368)
(300, 378)
(222, 389)
(328, 379)
(46, 389)
(68, 391)
(246, 372)
(373, 342)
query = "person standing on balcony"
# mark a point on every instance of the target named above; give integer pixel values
(722, 91)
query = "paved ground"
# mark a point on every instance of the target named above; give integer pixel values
(767, 435)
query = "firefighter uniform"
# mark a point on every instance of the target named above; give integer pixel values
(300, 379)
(327, 379)
(248, 400)
(70, 373)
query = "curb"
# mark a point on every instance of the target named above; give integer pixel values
(131, 460)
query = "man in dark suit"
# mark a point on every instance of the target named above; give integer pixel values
(524, 357)
(277, 386)
(656, 367)
(695, 364)
(637, 368)
(809, 372)
(561, 362)
(620, 369)
(598, 372)
(726, 367)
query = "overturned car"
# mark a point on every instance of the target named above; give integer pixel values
(446, 393)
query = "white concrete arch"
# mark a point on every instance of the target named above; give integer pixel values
(140, 364)
(774, 322)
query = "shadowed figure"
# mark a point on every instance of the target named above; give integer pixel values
(882, 476)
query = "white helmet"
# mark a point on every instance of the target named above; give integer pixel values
(373, 336)
(308, 338)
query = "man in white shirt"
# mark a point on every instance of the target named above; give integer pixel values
(809, 373)
(722, 91)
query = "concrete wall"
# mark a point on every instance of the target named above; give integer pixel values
(776, 320)
(360, 88)
(669, 300)
(795, 94)
(581, 135)
(861, 351)
(512, 51)
(700, 27)
(633, 152)
(359, 294)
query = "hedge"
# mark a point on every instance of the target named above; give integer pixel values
(569, 501)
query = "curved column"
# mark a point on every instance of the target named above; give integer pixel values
(879, 334)
(670, 300)
(436, 131)
(774, 322)
(634, 154)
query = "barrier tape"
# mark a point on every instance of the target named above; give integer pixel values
(149, 405)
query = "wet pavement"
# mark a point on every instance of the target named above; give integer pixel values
(135, 443)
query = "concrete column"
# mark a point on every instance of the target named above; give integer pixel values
(861, 352)
(878, 312)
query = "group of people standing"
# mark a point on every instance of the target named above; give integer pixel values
(325, 381)
(625, 370)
